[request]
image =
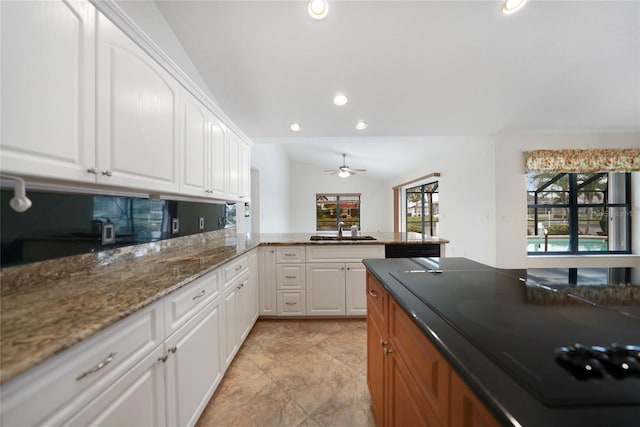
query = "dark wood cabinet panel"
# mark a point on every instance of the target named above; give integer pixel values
(466, 409)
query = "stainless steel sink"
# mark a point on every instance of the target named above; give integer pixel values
(339, 238)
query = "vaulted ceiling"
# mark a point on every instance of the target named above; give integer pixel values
(414, 68)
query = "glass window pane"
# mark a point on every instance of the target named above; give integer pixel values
(592, 188)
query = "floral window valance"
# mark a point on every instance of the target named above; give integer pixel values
(597, 160)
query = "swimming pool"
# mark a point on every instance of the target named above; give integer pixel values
(561, 244)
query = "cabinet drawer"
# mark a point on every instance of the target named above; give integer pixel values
(376, 300)
(182, 304)
(56, 389)
(290, 254)
(343, 253)
(234, 269)
(290, 276)
(291, 303)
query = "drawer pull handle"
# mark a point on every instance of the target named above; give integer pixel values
(173, 349)
(99, 366)
(163, 359)
(238, 268)
(200, 295)
(373, 294)
(290, 277)
(289, 254)
(291, 303)
(383, 343)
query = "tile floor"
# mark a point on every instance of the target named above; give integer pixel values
(296, 373)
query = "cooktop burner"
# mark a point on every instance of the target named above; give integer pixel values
(563, 352)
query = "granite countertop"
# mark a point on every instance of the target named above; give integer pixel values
(491, 348)
(47, 307)
(380, 238)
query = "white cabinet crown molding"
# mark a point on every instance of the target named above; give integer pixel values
(112, 11)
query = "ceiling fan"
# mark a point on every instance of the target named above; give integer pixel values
(344, 171)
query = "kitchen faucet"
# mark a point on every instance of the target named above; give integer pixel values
(340, 225)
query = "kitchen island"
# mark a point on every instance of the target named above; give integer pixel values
(499, 332)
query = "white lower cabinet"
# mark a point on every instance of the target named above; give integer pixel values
(326, 289)
(267, 278)
(315, 280)
(193, 365)
(138, 398)
(159, 366)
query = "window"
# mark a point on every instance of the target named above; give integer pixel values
(422, 209)
(333, 208)
(578, 213)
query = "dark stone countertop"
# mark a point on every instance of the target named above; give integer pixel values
(510, 400)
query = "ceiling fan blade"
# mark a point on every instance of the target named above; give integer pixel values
(359, 170)
(331, 172)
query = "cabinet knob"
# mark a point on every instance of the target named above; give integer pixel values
(173, 349)
(107, 172)
(163, 358)
(93, 170)
(387, 351)
(383, 343)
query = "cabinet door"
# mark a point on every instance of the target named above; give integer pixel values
(233, 157)
(48, 89)
(137, 114)
(251, 297)
(193, 365)
(217, 178)
(405, 405)
(376, 340)
(231, 319)
(356, 289)
(194, 126)
(325, 289)
(267, 292)
(137, 398)
(466, 408)
(244, 161)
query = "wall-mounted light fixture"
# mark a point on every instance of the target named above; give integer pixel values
(20, 202)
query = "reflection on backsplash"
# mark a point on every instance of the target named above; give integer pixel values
(59, 225)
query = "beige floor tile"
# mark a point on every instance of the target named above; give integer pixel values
(307, 373)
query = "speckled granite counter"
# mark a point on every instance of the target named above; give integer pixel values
(47, 307)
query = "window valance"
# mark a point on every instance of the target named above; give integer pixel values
(596, 160)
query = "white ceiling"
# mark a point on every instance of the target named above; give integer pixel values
(413, 69)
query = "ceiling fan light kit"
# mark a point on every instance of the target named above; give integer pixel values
(344, 171)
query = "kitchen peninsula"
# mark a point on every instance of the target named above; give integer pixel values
(147, 298)
(502, 345)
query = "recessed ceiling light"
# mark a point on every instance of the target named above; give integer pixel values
(295, 127)
(360, 125)
(512, 6)
(340, 100)
(318, 9)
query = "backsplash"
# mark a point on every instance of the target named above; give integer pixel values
(59, 225)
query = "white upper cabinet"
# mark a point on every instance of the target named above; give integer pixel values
(137, 115)
(48, 89)
(233, 158)
(194, 133)
(217, 171)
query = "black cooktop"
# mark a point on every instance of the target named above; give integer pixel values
(523, 325)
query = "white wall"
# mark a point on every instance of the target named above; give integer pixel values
(148, 17)
(376, 210)
(273, 165)
(511, 199)
(467, 217)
